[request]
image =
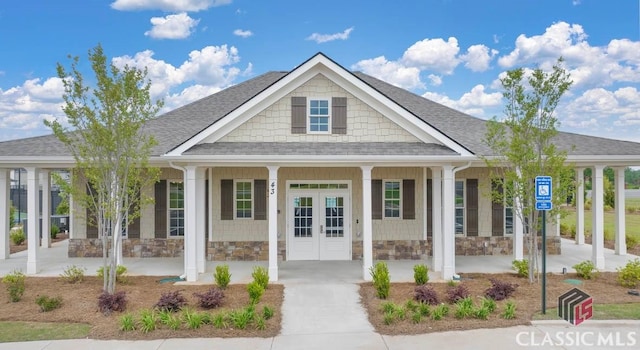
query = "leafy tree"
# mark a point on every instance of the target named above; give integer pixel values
(106, 137)
(522, 143)
(12, 214)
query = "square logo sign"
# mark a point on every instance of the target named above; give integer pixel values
(575, 306)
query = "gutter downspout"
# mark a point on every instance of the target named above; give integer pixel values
(184, 180)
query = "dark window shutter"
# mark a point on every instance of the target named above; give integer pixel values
(226, 199)
(376, 199)
(472, 207)
(133, 230)
(260, 199)
(206, 208)
(497, 212)
(90, 219)
(161, 209)
(298, 115)
(409, 199)
(339, 115)
(429, 208)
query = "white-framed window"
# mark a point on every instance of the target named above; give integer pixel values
(319, 121)
(508, 212)
(243, 208)
(392, 201)
(460, 208)
(176, 208)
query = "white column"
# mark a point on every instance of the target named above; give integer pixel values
(72, 233)
(5, 220)
(201, 230)
(448, 219)
(436, 239)
(579, 205)
(33, 220)
(273, 222)
(621, 244)
(45, 181)
(190, 224)
(210, 195)
(367, 223)
(518, 227)
(425, 193)
(597, 206)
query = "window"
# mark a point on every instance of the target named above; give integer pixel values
(176, 209)
(392, 199)
(319, 116)
(460, 207)
(243, 199)
(508, 211)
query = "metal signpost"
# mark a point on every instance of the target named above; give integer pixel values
(544, 185)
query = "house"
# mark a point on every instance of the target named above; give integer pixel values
(318, 163)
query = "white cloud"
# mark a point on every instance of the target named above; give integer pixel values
(323, 38)
(433, 54)
(189, 94)
(478, 57)
(178, 26)
(620, 107)
(475, 102)
(242, 33)
(167, 5)
(435, 80)
(390, 71)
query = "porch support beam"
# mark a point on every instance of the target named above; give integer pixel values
(192, 176)
(273, 222)
(597, 206)
(620, 243)
(448, 219)
(5, 220)
(45, 180)
(425, 193)
(33, 220)
(579, 206)
(201, 230)
(367, 223)
(436, 239)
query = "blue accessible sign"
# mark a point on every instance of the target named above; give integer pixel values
(544, 185)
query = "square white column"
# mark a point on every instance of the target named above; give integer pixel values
(201, 230)
(579, 205)
(436, 238)
(273, 222)
(425, 193)
(190, 224)
(621, 239)
(367, 224)
(597, 206)
(45, 181)
(5, 220)
(33, 220)
(448, 220)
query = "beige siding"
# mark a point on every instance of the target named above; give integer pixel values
(398, 229)
(79, 222)
(147, 215)
(364, 124)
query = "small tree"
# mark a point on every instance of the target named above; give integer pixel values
(523, 148)
(111, 150)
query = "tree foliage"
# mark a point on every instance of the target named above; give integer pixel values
(104, 132)
(523, 147)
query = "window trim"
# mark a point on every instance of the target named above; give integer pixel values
(505, 206)
(463, 207)
(384, 199)
(235, 199)
(169, 209)
(329, 116)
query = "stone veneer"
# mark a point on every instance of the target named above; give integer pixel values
(243, 251)
(131, 248)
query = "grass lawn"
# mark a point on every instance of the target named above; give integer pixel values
(601, 312)
(29, 331)
(632, 222)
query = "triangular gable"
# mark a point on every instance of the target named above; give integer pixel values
(336, 73)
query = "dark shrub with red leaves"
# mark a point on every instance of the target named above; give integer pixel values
(210, 299)
(459, 292)
(500, 290)
(426, 295)
(108, 303)
(171, 301)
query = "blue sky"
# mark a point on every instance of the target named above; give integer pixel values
(451, 51)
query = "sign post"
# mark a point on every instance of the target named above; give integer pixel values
(544, 186)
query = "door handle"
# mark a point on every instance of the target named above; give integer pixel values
(321, 229)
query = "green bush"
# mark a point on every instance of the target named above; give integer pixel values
(17, 236)
(15, 285)
(421, 274)
(54, 231)
(120, 273)
(48, 303)
(381, 280)
(509, 311)
(255, 291)
(73, 274)
(629, 275)
(261, 276)
(631, 241)
(127, 323)
(521, 267)
(222, 276)
(586, 270)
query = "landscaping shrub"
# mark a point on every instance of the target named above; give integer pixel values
(148, 321)
(500, 290)
(464, 308)
(261, 276)
(54, 231)
(73, 274)
(586, 269)
(255, 291)
(169, 319)
(439, 312)
(15, 285)
(481, 313)
(17, 236)
(629, 275)
(509, 311)
(241, 318)
(222, 276)
(48, 303)
(489, 304)
(267, 312)
(193, 319)
(426, 294)
(127, 323)
(631, 241)
(457, 293)
(108, 303)
(171, 301)
(120, 273)
(521, 267)
(219, 320)
(381, 280)
(210, 299)
(421, 274)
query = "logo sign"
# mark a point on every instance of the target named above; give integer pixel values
(575, 306)
(543, 188)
